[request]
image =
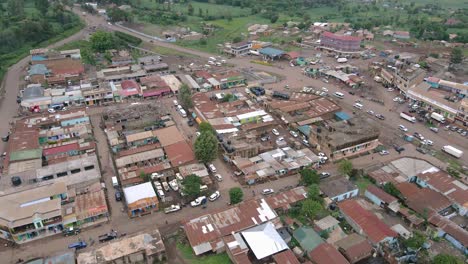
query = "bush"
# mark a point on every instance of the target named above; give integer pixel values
(128, 38)
(236, 195)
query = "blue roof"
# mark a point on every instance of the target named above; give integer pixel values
(304, 129)
(38, 69)
(271, 52)
(342, 116)
(38, 58)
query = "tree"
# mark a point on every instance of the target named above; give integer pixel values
(145, 177)
(456, 56)
(446, 259)
(391, 189)
(190, 9)
(42, 6)
(274, 18)
(314, 192)
(206, 127)
(310, 208)
(191, 186)
(345, 167)
(116, 14)
(309, 177)
(88, 56)
(206, 147)
(200, 12)
(236, 39)
(185, 96)
(236, 195)
(102, 41)
(416, 241)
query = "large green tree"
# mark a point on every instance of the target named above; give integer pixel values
(206, 127)
(314, 193)
(310, 208)
(345, 167)
(206, 147)
(446, 259)
(102, 41)
(42, 6)
(185, 96)
(416, 241)
(235, 195)
(191, 186)
(309, 177)
(456, 56)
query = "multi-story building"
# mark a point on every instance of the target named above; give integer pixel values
(340, 43)
(238, 49)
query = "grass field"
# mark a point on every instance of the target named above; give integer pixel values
(188, 255)
(213, 9)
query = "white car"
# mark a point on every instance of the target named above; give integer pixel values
(214, 196)
(174, 185)
(402, 128)
(51, 110)
(390, 90)
(324, 89)
(172, 208)
(384, 152)
(427, 142)
(396, 99)
(434, 129)
(275, 132)
(198, 201)
(219, 177)
(293, 133)
(212, 168)
(197, 133)
(370, 112)
(175, 103)
(267, 191)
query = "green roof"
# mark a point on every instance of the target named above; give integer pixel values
(308, 238)
(26, 154)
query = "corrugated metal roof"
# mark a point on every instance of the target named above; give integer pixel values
(26, 154)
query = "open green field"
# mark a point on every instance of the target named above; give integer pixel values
(213, 9)
(188, 255)
(454, 4)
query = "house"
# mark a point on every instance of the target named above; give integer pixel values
(286, 257)
(205, 233)
(425, 200)
(455, 234)
(270, 53)
(238, 49)
(453, 189)
(366, 223)
(326, 254)
(326, 224)
(179, 153)
(307, 238)
(339, 189)
(263, 240)
(141, 199)
(380, 198)
(130, 89)
(355, 248)
(401, 34)
(139, 248)
(339, 43)
(284, 200)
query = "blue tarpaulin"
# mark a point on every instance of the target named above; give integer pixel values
(342, 116)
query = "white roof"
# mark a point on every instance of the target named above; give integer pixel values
(213, 81)
(138, 192)
(264, 240)
(252, 114)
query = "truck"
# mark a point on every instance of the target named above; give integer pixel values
(438, 117)
(408, 117)
(452, 151)
(108, 237)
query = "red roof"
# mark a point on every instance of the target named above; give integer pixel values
(327, 254)
(60, 149)
(374, 228)
(203, 74)
(381, 194)
(286, 257)
(129, 84)
(340, 37)
(179, 153)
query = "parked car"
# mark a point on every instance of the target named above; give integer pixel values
(402, 128)
(212, 168)
(427, 142)
(197, 133)
(434, 129)
(172, 208)
(351, 92)
(51, 110)
(275, 132)
(267, 191)
(305, 142)
(198, 201)
(398, 148)
(324, 175)
(379, 116)
(118, 196)
(370, 112)
(218, 177)
(418, 136)
(384, 152)
(108, 237)
(190, 122)
(266, 138)
(213, 197)
(422, 150)
(293, 133)
(71, 231)
(78, 245)
(174, 185)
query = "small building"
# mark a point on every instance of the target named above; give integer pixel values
(264, 240)
(269, 53)
(401, 34)
(179, 153)
(366, 223)
(354, 247)
(140, 248)
(141, 199)
(326, 224)
(339, 189)
(380, 198)
(284, 200)
(307, 238)
(326, 254)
